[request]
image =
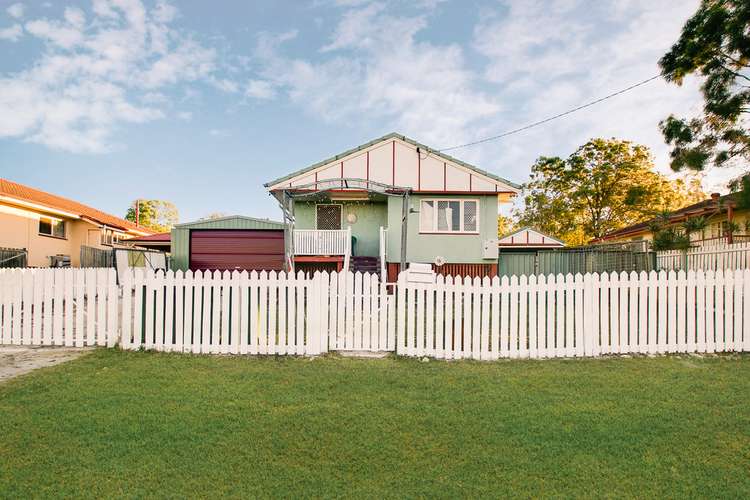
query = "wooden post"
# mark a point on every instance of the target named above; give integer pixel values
(287, 206)
(730, 216)
(404, 229)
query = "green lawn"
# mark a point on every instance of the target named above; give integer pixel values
(144, 424)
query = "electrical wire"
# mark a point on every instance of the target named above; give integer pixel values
(560, 115)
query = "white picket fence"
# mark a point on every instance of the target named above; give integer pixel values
(573, 316)
(709, 257)
(70, 307)
(274, 313)
(256, 313)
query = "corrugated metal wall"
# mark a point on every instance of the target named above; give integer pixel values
(181, 234)
(510, 264)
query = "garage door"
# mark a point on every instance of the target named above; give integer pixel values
(237, 249)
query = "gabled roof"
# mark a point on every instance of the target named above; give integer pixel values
(153, 238)
(539, 238)
(252, 222)
(392, 135)
(11, 192)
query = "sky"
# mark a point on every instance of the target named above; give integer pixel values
(200, 103)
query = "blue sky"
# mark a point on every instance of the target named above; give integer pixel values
(201, 102)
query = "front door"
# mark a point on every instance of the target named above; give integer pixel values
(328, 217)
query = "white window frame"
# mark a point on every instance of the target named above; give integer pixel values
(341, 216)
(434, 228)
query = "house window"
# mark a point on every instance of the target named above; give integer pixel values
(328, 217)
(109, 237)
(449, 216)
(52, 227)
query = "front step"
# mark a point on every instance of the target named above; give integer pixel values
(363, 264)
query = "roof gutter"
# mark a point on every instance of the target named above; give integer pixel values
(36, 206)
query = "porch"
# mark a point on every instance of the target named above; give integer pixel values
(341, 225)
(328, 249)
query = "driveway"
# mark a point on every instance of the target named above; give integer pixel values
(17, 360)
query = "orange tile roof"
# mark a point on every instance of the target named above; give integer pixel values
(28, 194)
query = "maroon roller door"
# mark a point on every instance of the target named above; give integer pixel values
(236, 249)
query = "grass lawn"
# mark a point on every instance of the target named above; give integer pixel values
(142, 424)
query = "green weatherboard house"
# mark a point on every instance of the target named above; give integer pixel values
(391, 202)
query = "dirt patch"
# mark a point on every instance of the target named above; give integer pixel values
(17, 360)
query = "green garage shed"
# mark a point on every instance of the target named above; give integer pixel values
(228, 243)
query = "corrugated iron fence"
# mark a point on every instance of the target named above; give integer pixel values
(575, 260)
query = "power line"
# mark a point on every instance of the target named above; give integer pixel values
(540, 122)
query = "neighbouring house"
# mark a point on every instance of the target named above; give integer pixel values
(228, 243)
(161, 242)
(52, 229)
(519, 251)
(527, 237)
(719, 212)
(390, 202)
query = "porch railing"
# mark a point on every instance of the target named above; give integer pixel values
(322, 242)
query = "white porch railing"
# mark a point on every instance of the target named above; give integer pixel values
(327, 242)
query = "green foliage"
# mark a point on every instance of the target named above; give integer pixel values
(715, 44)
(504, 225)
(137, 425)
(159, 215)
(215, 215)
(741, 188)
(605, 185)
(670, 238)
(694, 225)
(732, 227)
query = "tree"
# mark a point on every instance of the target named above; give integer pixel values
(605, 185)
(714, 43)
(214, 215)
(159, 215)
(504, 225)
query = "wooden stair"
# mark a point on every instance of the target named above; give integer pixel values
(365, 264)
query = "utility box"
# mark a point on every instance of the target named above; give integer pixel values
(489, 249)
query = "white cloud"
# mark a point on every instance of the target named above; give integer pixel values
(217, 132)
(375, 69)
(185, 115)
(225, 85)
(12, 33)
(545, 57)
(75, 17)
(57, 33)
(15, 11)
(260, 89)
(97, 74)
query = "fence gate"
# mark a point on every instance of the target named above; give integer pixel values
(361, 314)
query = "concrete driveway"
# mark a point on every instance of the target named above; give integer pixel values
(17, 360)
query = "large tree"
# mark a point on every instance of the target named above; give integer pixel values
(159, 215)
(715, 44)
(603, 186)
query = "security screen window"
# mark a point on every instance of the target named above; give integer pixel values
(449, 216)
